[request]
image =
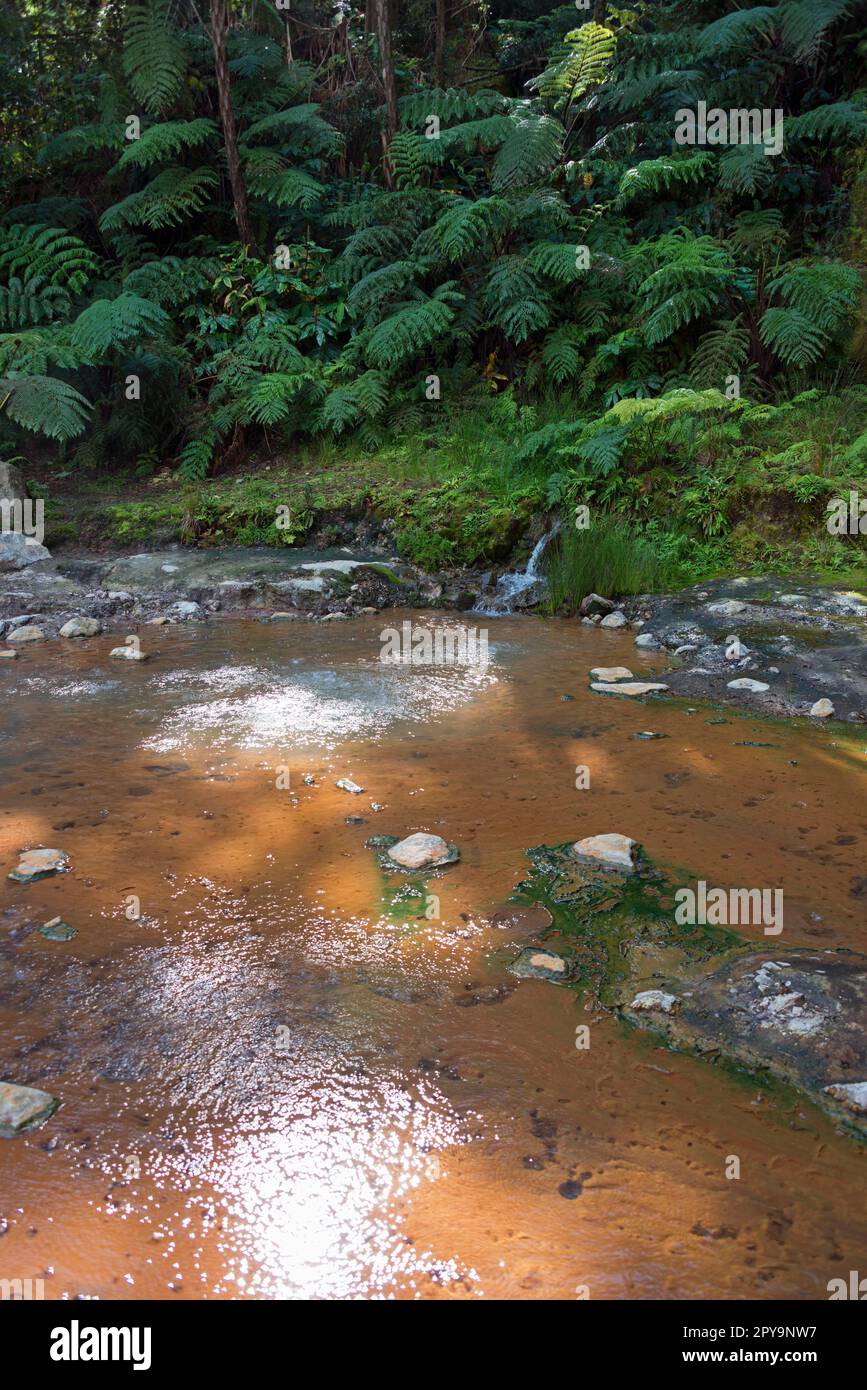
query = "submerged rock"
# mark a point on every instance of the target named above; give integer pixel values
(611, 673)
(633, 688)
(647, 641)
(57, 930)
(129, 653)
(420, 851)
(347, 785)
(23, 1107)
(39, 863)
(800, 1018)
(533, 964)
(609, 851)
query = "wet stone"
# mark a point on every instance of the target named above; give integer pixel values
(421, 851)
(610, 851)
(39, 863)
(58, 930)
(539, 965)
(23, 1107)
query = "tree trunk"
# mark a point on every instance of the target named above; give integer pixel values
(440, 44)
(219, 24)
(599, 11)
(386, 61)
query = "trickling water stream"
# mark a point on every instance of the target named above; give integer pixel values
(277, 1080)
(516, 590)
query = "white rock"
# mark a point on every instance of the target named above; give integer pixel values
(25, 634)
(853, 1094)
(23, 1107)
(757, 687)
(418, 851)
(735, 649)
(627, 687)
(611, 673)
(647, 641)
(9, 653)
(39, 863)
(609, 851)
(655, 999)
(822, 709)
(538, 965)
(129, 653)
(347, 785)
(184, 611)
(728, 608)
(81, 627)
(617, 619)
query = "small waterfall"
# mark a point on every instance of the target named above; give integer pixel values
(519, 590)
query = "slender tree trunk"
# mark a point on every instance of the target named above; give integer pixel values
(600, 8)
(386, 61)
(440, 44)
(219, 24)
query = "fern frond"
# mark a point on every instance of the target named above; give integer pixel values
(45, 405)
(412, 328)
(162, 142)
(168, 200)
(45, 256)
(562, 355)
(720, 353)
(653, 175)
(792, 336)
(840, 122)
(153, 56)
(826, 292)
(530, 150)
(737, 30)
(582, 64)
(108, 324)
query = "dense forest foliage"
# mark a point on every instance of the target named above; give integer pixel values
(480, 235)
